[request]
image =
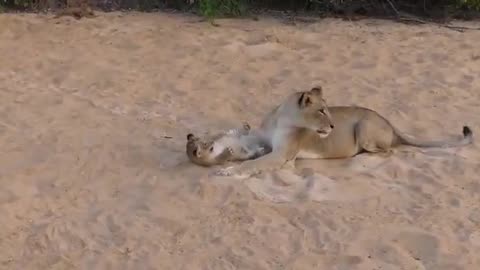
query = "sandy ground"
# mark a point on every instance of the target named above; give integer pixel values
(89, 181)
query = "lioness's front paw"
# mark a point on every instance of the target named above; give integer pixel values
(232, 171)
(224, 172)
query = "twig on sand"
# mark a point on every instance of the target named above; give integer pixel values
(213, 23)
(411, 18)
(210, 20)
(461, 28)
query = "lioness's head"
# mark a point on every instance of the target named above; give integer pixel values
(313, 112)
(200, 151)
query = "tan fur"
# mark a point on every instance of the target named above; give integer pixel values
(291, 130)
(77, 9)
(232, 145)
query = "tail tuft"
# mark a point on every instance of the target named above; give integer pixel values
(467, 132)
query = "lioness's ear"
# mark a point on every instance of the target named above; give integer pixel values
(317, 90)
(190, 136)
(304, 100)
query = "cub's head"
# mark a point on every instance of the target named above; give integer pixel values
(200, 151)
(313, 112)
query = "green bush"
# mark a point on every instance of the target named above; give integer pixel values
(215, 8)
(224, 8)
(17, 4)
(469, 4)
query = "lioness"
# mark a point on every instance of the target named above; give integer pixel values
(233, 145)
(304, 127)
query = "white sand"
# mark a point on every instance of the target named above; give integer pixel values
(88, 180)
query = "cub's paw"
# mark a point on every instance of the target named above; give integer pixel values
(262, 150)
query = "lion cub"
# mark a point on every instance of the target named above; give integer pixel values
(233, 145)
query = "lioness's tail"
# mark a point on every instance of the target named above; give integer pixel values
(467, 138)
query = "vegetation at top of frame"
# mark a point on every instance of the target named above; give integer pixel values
(423, 8)
(468, 4)
(216, 8)
(16, 4)
(235, 8)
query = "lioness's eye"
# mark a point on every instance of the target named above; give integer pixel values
(211, 149)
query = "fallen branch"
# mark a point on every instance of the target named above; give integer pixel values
(409, 18)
